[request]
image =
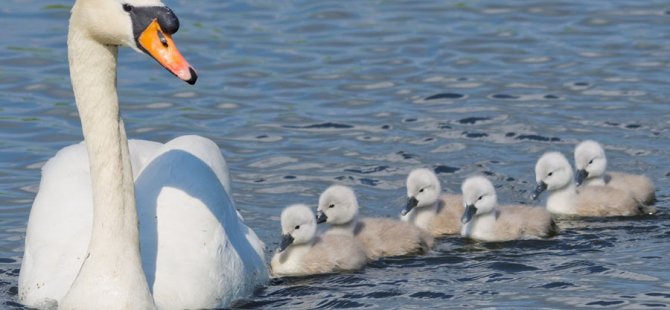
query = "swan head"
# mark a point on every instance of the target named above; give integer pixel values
(298, 225)
(552, 172)
(337, 205)
(146, 26)
(479, 197)
(423, 189)
(590, 161)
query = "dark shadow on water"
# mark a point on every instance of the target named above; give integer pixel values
(445, 96)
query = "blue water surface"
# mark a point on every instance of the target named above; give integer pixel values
(303, 94)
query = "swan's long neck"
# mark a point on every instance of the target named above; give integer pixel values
(93, 74)
(112, 270)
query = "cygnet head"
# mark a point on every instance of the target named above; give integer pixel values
(479, 197)
(590, 161)
(337, 205)
(423, 189)
(145, 25)
(552, 172)
(298, 225)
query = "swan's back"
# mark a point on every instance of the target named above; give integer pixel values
(59, 227)
(383, 237)
(639, 186)
(599, 200)
(447, 221)
(196, 251)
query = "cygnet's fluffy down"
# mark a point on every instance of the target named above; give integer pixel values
(438, 214)
(484, 220)
(553, 173)
(303, 253)
(381, 237)
(591, 164)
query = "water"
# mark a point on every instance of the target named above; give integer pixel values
(303, 94)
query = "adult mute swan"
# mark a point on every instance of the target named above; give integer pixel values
(84, 246)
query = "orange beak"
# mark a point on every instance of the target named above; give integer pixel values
(159, 45)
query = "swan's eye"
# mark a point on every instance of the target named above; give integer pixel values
(480, 197)
(127, 7)
(421, 190)
(331, 206)
(550, 174)
(297, 226)
(591, 161)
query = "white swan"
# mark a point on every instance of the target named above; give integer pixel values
(83, 241)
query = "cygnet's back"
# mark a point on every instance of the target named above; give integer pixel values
(302, 253)
(446, 220)
(597, 200)
(639, 186)
(591, 165)
(484, 220)
(554, 174)
(341, 252)
(525, 222)
(438, 214)
(380, 237)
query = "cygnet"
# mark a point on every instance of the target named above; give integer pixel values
(438, 214)
(484, 220)
(303, 253)
(381, 237)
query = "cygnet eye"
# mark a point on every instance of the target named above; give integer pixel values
(591, 161)
(331, 206)
(480, 197)
(297, 226)
(421, 190)
(550, 173)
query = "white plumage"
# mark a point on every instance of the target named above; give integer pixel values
(84, 248)
(194, 245)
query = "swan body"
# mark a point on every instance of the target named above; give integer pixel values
(591, 163)
(380, 237)
(221, 247)
(484, 220)
(303, 253)
(438, 214)
(554, 174)
(139, 225)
